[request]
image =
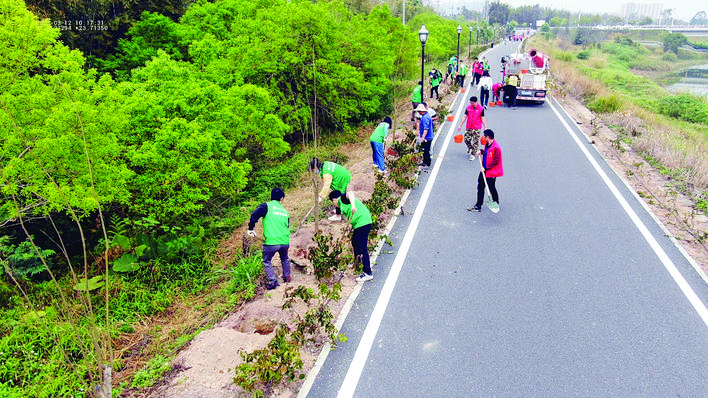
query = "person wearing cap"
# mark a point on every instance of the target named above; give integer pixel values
(377, 139)
(491, 169)
(360, 218)
(425, 136)
(335, 177)
(476, 121)
(276, 231)
(431, 111)
(417, 98)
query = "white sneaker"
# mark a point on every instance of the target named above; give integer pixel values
(364, 277)
(335, 217)
(471, 157)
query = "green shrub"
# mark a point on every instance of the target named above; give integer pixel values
(245, 276)
(685, 107)
(606, 104)
(585, 54)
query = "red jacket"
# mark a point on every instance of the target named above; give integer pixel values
(492, 160)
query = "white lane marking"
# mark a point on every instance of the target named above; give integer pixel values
(367, 339)
(665, 260)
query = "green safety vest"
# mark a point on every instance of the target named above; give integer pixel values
(417, 94)
(276, 224)
(340, 176)
(360, 218)
(463, 70)
(435, 81)
(379, 134)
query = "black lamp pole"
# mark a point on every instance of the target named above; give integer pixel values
(423, 36)
(469, 45)
(459, 30)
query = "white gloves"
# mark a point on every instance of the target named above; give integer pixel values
(319, 199)
(251, 233)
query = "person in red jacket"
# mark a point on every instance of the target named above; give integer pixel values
(491, 169)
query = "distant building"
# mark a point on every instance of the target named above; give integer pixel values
(637, 11)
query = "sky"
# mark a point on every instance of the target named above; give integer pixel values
(683, 9)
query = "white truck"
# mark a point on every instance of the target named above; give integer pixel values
(530, 73)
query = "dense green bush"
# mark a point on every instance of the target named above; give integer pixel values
(686, 107)
(585, 54)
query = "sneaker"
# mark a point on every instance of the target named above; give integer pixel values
(335, 217)
(381, 171)
(271, 286)
(471, 157)
(364, 277)
(474, 209)
(286, 279)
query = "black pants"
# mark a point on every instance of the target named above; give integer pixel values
(491, 183)
(360, 244)
(475, 79)
(426, 152)
(434, 89)
(483, 96)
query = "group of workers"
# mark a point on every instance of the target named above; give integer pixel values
(276, 220)
(336, 178)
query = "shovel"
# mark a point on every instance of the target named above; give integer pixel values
(493, 206)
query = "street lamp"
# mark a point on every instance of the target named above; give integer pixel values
(423, 36)
(469, 45)
(457, 66)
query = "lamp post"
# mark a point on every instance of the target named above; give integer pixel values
(423, 36)
(469, 45)
(457, 66)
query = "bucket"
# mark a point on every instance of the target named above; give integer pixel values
(458, 139)
(499, 103)
(392, 151)
(462, 90)
(450, 118)
(491, 104)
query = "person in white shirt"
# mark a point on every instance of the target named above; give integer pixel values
(485, 86)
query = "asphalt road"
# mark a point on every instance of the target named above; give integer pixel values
(571, 290)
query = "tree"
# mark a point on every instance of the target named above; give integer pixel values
(498, 13)
(646, 21)
(700, 18)
(556, 21)
(673, 41)
(666, 16)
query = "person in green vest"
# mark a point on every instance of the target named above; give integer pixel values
(461, 74)
(276, 230)
(360, 218)
(335, 177)
(435, 80)
(377, 143)
(417, 98)
(451, 66)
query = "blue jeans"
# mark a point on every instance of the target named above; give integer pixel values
(377, 149)
(268, 253)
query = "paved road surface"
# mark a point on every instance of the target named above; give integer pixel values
(558, 295)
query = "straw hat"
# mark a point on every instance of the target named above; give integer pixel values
(421, 108)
